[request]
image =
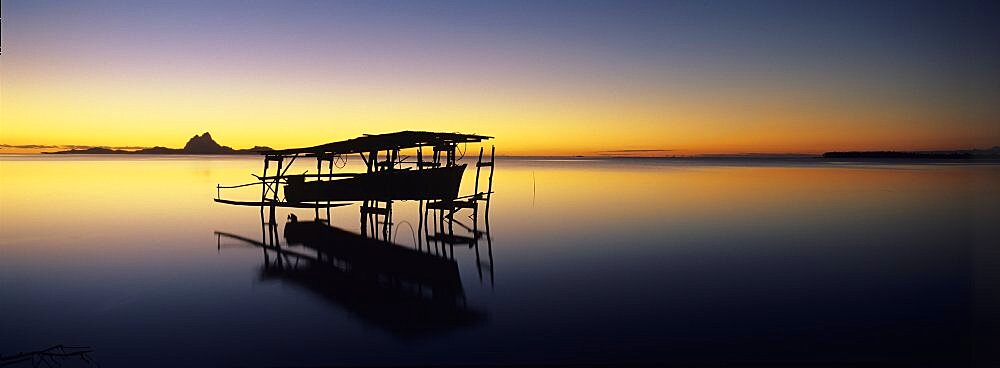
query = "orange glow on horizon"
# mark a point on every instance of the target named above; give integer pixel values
(39, 111)
(635, 81)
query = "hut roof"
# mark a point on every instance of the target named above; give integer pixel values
(380, 142)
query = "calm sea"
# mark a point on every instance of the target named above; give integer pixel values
(619, 261)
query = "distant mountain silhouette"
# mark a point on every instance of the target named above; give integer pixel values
(992, 153)
(197, 145)
(204, 144)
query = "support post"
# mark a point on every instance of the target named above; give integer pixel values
(420, 157)
(319, 176)
(277, 179)
(489, 188)
(479, 165)
(329, 219)
(263, 183)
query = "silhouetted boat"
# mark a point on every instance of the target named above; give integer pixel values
(426, 184)
(388, 175)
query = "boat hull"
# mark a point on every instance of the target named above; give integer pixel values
(427, 184)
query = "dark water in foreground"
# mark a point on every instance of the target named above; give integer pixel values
(762, 263)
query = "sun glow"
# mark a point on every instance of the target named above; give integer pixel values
(156, 82)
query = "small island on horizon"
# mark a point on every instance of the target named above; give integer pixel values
(991, 153)
(198, 145)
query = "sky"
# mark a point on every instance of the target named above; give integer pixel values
(543, 77)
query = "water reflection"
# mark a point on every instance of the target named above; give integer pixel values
(406, 291)
(615, 261)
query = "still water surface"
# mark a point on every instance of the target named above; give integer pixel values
(707, 262)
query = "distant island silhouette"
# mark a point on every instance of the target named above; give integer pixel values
(197, 145)
(204, 145)
(956, 154)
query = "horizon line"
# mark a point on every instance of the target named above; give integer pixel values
(613, 153)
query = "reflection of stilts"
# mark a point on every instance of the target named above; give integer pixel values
(269, 238)
(443, 237)
(329, 158)
(376, 219)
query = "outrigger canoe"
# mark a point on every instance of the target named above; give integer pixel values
(436, 176)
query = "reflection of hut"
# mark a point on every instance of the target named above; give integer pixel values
(391, 305)
(404, 291)
(401, 290)
(375, 257)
